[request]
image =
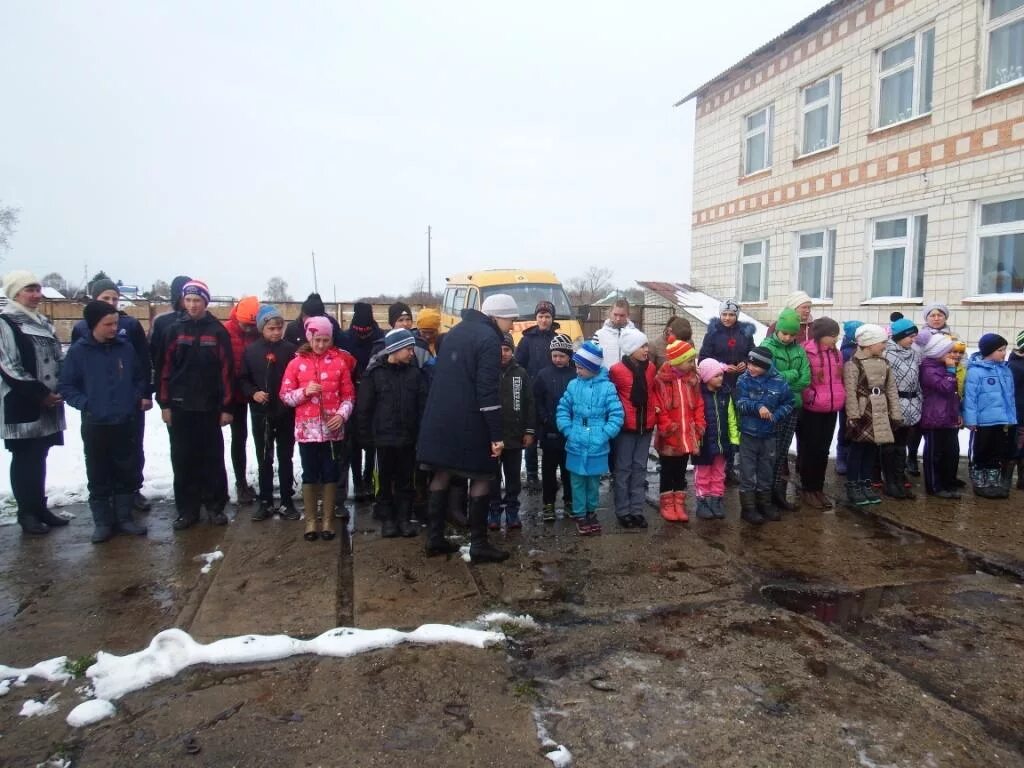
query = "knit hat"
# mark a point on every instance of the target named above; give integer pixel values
(822, 327)
(500, 305)
(1020, 341)
(991, 342)
(869, 334)
(318, 326)
(589, 356)
(958, 343)
(196, 288)
(729, 305)
(176, 285)
(267, 313)
(679, 352)
(561, 343)
(936, 345)
(709, 368)
(508, 341)
(630, 341)
(95, 311)
(362, 316)
(901, 327)
(396, 311)
(760, 357)
(101, 285)
(313, 306)
(17, 281)
(246, 310)
(544, 307)
(399, 338)
(788, 322)
(796, 298)
(850, 329)
(932, 307)
(429, 319)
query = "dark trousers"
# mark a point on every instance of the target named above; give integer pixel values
(532, 460)
(361, 461)
(321, 462)
(784, 432)
(673, 473)
(861, 461)
(396, 466)
(111, 459)
(239, 436)
(197, 458)
(140, 449)
(757, 463)
(815, 431)
(941, 456)
(902, 439)
(991, 446)
(552, 468)
(268, 433)
(28, 472)
(510, 464)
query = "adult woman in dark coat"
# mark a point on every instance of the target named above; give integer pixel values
(460, 435)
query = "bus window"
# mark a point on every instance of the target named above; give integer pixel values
(459, 302)
(472, 301)
(446, 305)
(527, 296)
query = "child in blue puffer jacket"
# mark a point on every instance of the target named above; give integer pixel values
(589, 415)
(990, 412)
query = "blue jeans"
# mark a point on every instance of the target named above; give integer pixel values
(631, 452)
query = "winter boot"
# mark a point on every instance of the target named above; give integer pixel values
(512, 521)
(406, 525)
(437, 507)
(123, 507)
(855, 494)
(328, 497)
(748, 508)
(913, 467)
(870, 494)
(48, 518)
(705, 510)
(980, 482)
(310, 499)
(548, 513)
(480, 549)
(841, 453)
(264, 511)
(217, 516)
(567, 506)
(185, 519)
(32, 525)
(140, 503)
(388, 513)
(102, 520)
(494, 515)
(1006, 479)
(811, 499)
(680, 506)
(893, 485)
(779, 497)
(246, 494)
(667, 506)
(288, 510)
(765, 508)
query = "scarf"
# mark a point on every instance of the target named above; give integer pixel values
(638, 392)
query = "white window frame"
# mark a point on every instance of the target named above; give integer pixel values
(908, 242)
(991, 230)
(916, 63)
(827, 252)
(834, 103)
(768, 130)
(761, 259)
(991, 26)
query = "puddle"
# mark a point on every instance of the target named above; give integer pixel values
(842, 606)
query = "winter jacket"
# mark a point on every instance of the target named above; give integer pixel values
(1016, 365)
(872, 402)
(518, 415)
(263, 366)
(906, 370)
(640, 420)
(826, 392)
(589, 415)
(105, 381)
(333, 371)
(941, 406)
(240, 339)
(30, 359)
(129, 329)
(722, 430)
(361, 347)
(390, 405)
(609, 338)
(804, 334)
(463, 414)
(197, 371)
(534, 350)
(295, 332)
(548, 388)
(727, 345)
(791, 362)
(159, 327)
(680, 412)
(988, 395)
(769, 390)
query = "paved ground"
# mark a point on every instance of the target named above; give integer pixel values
(840, 639)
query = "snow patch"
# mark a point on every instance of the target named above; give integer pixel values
(500, 617)
(555, 752)
(5, 687)
(52, 670)
(34, 708)
(464, 551)
(209, 558)
(89, 712)
(561, 757)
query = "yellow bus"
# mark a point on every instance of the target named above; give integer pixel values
(526, 286)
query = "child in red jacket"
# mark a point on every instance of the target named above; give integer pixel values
(680, 425)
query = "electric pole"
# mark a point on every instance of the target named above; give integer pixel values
(430, 286)
(316, 288)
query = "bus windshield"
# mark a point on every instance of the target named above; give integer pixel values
(528, 295)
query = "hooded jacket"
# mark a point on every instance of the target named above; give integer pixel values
(680, 412)
(722, 428)
(518, 414)
(240, 339)
(104, 380)
(769, 390)
(906, 370)
(988, 394)
(333, 371)
(197, 371)
(161, 324)
(727, 345)
(941, 406)
(361, 347)
(534, 350)
(609, 338)
(129, 329)
(548, 388)
(263, 367)
(389, 409)
(826, 392)
(589, 415)
(792, 365)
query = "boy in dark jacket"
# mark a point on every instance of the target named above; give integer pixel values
(273, 423)
(518, 428)
(104, 379)
(764, 400)
(361, 337)
(389, 408)
(534, 354)
(548, 388)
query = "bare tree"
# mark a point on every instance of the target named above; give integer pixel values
(277, 290)
(8, 225)
(160, 290)
(592, 285)
(56, 281)
(418, 294)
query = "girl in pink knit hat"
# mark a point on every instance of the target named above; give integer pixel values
(721, 439)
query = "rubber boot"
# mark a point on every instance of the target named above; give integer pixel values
(329, 494)
(841, 453)
(855, 494)
(124, 505)
(779, 497)
(680, 506)
(480, 549)
(408, 527)
(388, 514)
(705, 510)
(437, 508)
(512, 521)
(310, 498)
(748, 508)
(102, 520)
(765, 508)
(667, 506)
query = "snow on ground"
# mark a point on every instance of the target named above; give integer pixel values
(500, 617)
(555, 752)
(33, 708)
(89, 712)
(560, 756)
(53, 670)
(209, 558)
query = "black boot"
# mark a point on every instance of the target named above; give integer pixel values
(779, 497)
(748, 508)
(403, 510)
(765, 508)
(480, 549)
(47, 517)
(893, 485)
(124, 505)
(185, 519)
(102, 520)
(388, 519)
(437, 509)
(217, 516)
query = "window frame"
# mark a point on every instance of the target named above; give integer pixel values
(828, 263)
(762, 260)
(988, 26)
(769, 137)
(834, 104)
(916, 63)
(909, 243)
(991, 230)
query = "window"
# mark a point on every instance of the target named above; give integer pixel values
(528, 295)
(815, 262)
(1004, 28)
(1001, 247)
(753, 271)
(446, 305)
(905, 78)
(757, 145)
(897, 257)
(820, 105)
(459, 302)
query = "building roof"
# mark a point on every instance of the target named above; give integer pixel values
(51, 293)
(800, 29)
(697, 304)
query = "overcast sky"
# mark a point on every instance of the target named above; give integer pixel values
(227, 140)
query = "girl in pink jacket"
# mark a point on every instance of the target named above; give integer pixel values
(318, 384)
(823, 399)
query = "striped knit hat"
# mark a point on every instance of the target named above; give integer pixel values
(589, 356)
(561, 343)
(761, 357)
(196, 288)
(680, 352)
